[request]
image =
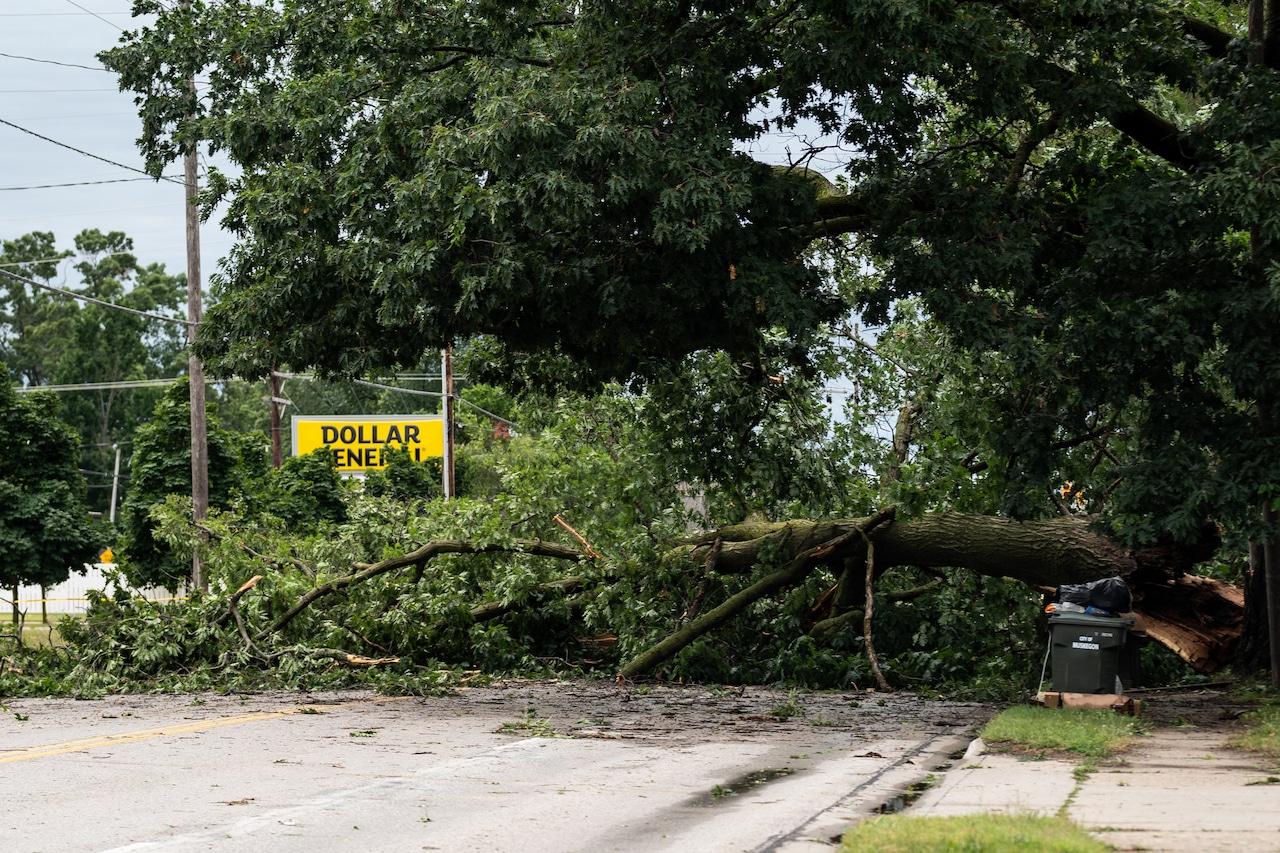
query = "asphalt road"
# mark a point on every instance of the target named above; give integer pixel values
(522, 767)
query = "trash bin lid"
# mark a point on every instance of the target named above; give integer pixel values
(1090, 620)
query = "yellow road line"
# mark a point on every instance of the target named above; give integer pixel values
(83, 744)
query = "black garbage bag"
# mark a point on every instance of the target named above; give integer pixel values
(1105, 594)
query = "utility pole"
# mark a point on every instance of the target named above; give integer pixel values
(115, 486)
(195, 370)
(446, 378)
(274, 403)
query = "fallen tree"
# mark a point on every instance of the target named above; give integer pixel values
(1197, 618)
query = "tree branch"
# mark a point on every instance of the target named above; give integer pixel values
(429, 551)
(794, 572)
(1215, 41)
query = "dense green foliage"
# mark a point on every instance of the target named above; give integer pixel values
(1080, 194)
(1058, 216)
(596, 463)
(45, 528)
(53, 339)
(161, 466)
(429, 195)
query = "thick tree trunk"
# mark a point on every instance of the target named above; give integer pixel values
(1040, 553)
(1197, 618)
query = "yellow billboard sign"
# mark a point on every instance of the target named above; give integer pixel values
(358, 441)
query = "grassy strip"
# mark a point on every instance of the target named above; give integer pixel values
(990, 833)
(1263, 734)
(1095, 734)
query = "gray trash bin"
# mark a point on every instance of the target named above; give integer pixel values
(1086, 652)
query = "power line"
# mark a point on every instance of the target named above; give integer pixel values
(57, 14)
(99, 386)
(86, 153)
(50, 91)
(96, 15)
(158, 383)
(55, 62)
(433, 394)
(58, 259)
(77, 184)
(83, 298)
(91, 212)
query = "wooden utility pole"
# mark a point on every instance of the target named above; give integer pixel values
(274, 403)
(446, 374)
(195, 370)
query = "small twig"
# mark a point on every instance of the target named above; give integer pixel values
(1106, 493)
(339, 656)
(1063, 509)
(365, 639)
(244, 635)
(272, 561)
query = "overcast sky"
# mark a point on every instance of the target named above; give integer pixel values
(82, 108)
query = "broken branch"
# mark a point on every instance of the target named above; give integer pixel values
(419, 556)
(795, 571)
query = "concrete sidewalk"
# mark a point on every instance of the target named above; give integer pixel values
(1177, 789)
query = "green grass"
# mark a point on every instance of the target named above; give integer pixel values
(791, 707)
(1096, 734)
(34, 632)
(988, 833)
(1263, 734)
(530, 725)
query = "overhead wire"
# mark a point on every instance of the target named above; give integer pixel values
(76, 184)
(50, 91)
(95, 212)
(55, 62)
(57, 14)
(96, 15)
(90, 299)
(436, 394)
(86, 153)
(61, 258)
(100, 386)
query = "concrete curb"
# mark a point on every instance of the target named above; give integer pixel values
(892, 783)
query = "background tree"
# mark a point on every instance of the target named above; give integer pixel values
(161, 467)
(28, 316)
(45, 528)
(60, 341)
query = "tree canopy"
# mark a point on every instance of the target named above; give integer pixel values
(1079, 191)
